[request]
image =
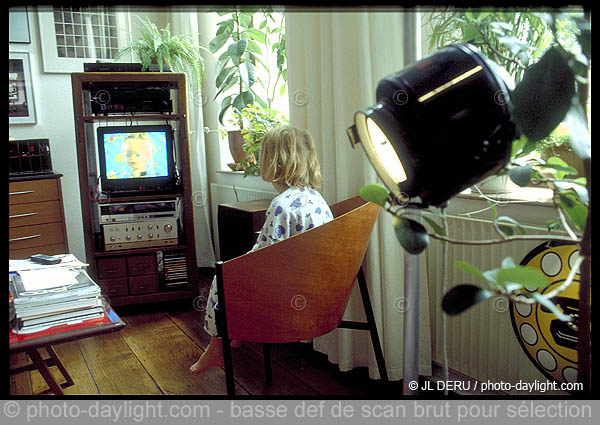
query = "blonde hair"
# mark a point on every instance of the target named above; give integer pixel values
(288, 156)
(140, 142)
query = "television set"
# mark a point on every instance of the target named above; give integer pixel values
(137, 159)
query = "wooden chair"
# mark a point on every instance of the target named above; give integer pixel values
(298, 288)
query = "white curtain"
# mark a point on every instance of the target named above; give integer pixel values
(335, 61)
(185, 21)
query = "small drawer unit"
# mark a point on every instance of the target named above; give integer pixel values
(128, 275)
(36, 221)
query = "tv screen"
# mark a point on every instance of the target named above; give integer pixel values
(136, 158)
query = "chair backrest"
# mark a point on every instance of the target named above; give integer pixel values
(298, 288)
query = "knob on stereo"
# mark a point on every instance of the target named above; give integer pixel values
(167, 228)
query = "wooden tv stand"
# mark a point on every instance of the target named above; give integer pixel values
(141, 274)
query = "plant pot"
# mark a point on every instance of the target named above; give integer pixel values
(567, 155)
(496, 184)
(235, 146)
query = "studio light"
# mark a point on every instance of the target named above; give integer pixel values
(439, 126)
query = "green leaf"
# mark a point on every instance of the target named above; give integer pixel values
(375, 193)
(217, 42)
(526, 276)
(237, 49)
(560, 166)
(542, 99)
(248, 73)
(579, 134)
(521, 175)
(471, 269)
(463, 297)
(493, 210)
(436, 227)
(581, 191)
(574, 208)
(257, 35)
(222, 77)
(225, 104)
(506, 219)
(254, 47)
(242, 100)
(245, 19)
(411, 234)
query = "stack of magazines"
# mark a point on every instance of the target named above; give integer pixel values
(50, 295)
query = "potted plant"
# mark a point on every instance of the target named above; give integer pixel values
(159, 50)
(557, 144)
(260, 121)
(247, 42)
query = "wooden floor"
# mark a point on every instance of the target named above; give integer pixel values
(152, 354)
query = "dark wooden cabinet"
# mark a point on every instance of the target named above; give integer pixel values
(239, 224)
(36, 218)
(143, 273)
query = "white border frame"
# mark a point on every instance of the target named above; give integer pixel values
(51, 62)
(31, 118)
(18, 25)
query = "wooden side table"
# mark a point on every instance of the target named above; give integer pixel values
(238, 224)
(33, 343)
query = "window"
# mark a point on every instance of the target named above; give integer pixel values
(263, 72)
(86, 32)
(71, 36)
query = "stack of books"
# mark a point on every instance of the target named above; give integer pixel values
(50, 295)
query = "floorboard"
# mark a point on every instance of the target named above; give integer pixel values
(115, 368)
(168, 363)
(152, 354)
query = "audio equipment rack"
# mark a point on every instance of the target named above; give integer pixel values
(157, 267)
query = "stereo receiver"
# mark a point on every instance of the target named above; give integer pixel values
(137, 211)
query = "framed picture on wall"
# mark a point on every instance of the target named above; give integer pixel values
(21, 107)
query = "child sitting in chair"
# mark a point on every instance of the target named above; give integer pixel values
(288, 160)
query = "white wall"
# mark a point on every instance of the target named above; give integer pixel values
(54, 109)
(55, 121)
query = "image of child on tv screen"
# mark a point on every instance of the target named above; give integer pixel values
(136, 155)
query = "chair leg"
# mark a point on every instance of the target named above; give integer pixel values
(222, 330)
(268, 369)
(364, 292)
(228, 361)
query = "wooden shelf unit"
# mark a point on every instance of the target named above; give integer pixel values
(131, 276)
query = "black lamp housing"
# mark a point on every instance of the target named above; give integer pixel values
(439, 126)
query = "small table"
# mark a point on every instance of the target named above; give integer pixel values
(32, 343)
(239, 224)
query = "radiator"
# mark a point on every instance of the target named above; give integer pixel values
(225, 194)
(481, 342)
